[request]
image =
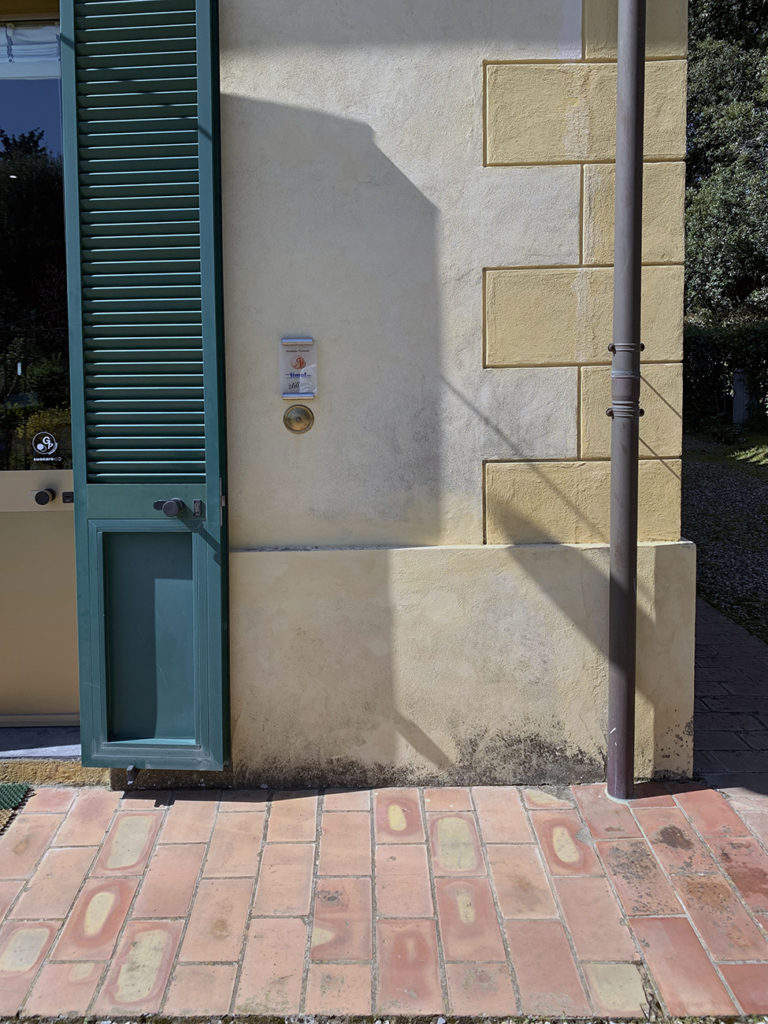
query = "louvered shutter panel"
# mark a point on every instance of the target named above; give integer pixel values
(141, 176)
(136, 81)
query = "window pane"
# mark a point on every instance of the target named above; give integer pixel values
(34, 370)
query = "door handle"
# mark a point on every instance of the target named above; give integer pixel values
(168, 506)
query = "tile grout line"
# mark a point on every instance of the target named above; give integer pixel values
(686, 912)
(374, 904)
(127, 919)
(320, 807)
(98, 847)
(175, 964)
(239, 966)
(733, 889)
(556, 898)
(497, 906)
(615, 893)
(433, 889)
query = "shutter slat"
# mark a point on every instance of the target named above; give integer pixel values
(139, 184)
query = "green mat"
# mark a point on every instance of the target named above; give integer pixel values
(11, 795)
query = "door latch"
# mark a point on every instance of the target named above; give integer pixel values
(168, 506)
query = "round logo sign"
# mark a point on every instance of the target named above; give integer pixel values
(45, 443)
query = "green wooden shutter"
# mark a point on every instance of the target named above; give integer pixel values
(140, 98)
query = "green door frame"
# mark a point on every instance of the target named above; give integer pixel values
(107, 504)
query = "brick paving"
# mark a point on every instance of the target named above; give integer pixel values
(731, 714)
(499, 901)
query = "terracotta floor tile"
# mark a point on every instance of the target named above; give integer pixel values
(170, 881)
(639, 880)
(397, 815)
(520, 882)
(565, 843)
(605, 818)
(711, 813)
(467, 918)
(548, 800)
(724, 925)
(651, 794)
(189, 819)
(139, 973)
(347, 800)
(235, 800)
(129, 844)
(216, 925)
(674, 840)
(749, 983)
(200, 990)
(342, 924)
(594, 919)
(409, 978)
(292, 818)
(63, 989)
(546, 973)
(685, 977)
(9, 890)
(447, 798)
(23, 843)
(23, 945)
(455, 845)
(501, 815)
(742, 799)
(88, 818)
(50, 799)
(616, 989)
(345, 843)
(402, 882)
(339, 989)
(235, 845)
(91, 930)
(155, 800)
(746, 863)
(284, 887)
(757, 821)
(53, 887)
(273, 967)
(485, 986)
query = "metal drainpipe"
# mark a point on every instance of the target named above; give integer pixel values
(625, 398)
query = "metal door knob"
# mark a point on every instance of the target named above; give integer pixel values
(168, 506)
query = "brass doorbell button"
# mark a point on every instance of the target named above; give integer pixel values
(298, 418)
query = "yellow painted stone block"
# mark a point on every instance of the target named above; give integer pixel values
(663, 208)
(661, 396)
(666, 28)
(554, 113)
(568, 502)
(545, 317)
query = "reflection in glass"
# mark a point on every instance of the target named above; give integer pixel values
(34, 372)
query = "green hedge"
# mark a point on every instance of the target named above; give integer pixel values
(712, 354)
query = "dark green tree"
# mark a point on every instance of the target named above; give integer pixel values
(727, 196)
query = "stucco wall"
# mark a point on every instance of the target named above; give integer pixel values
(426, 190)
(38, 623)
(457, 664)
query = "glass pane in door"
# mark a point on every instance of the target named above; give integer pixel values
(34, 368)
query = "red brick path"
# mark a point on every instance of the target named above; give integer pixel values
(498, 901)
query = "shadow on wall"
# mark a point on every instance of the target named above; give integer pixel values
(333, 242)
(344, 250)
(331, 660)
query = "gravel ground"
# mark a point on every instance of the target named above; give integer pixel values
(725, 512)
